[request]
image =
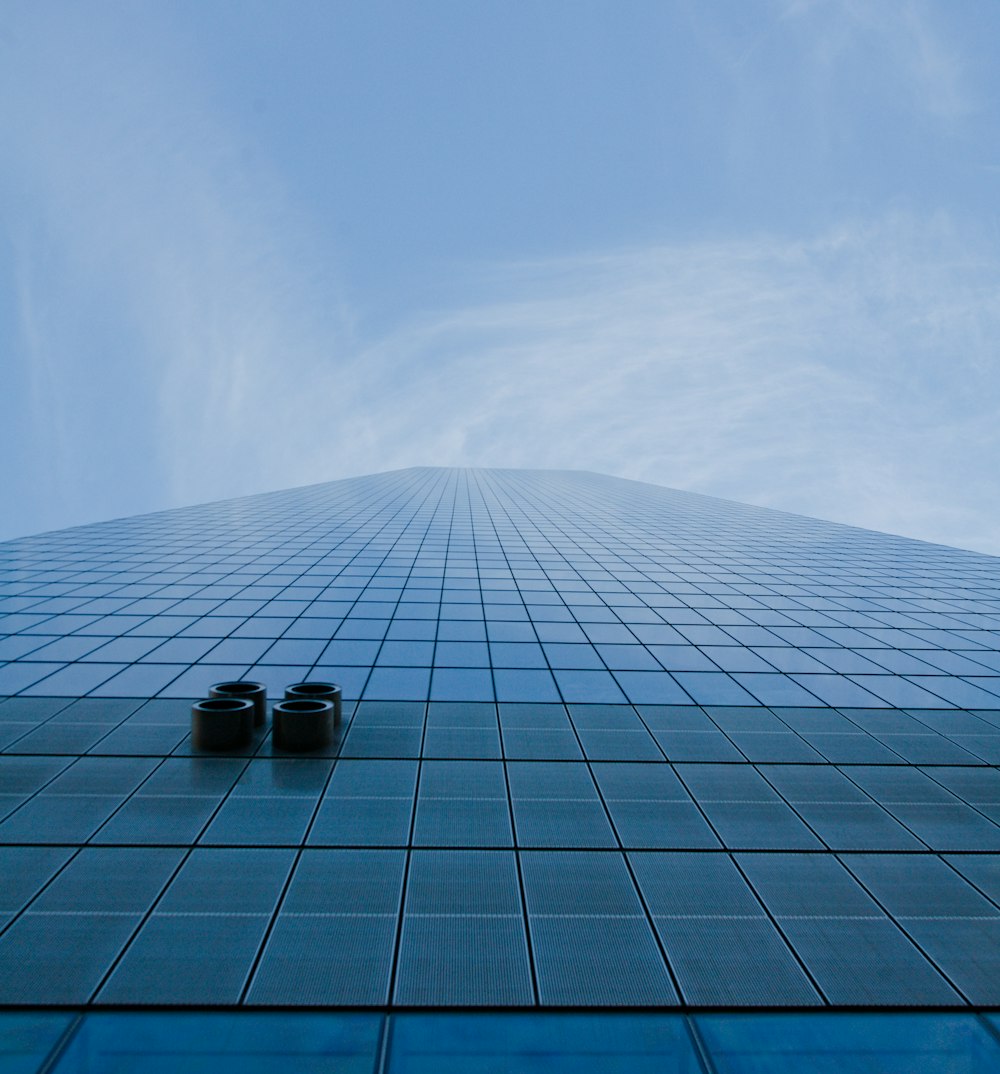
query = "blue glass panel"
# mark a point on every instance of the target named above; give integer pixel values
(206, 1043)
(776, 690)
(453, 654)
(403, 684)
(402, 653)
(15, 677)
(713, 689)
(507, 631)
(540, 1044)
(27, 1039)
(650, 688)
(462, 684)
(74, 679)
(848, 1043)
(460, 629)
(838, 690)
(525, 685)
(596, 687)
(142, 680)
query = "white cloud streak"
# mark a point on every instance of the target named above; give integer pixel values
(852, 377)
(909, 31)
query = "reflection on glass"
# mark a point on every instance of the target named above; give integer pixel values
(26, 1040)
(849, 1043)
(540, 1044)
(219, 1043)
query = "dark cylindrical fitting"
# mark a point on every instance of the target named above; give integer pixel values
(317, 691)
(252, 691)
(301, 725)
(222, 723)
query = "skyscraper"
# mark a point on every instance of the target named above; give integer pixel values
(607, 748)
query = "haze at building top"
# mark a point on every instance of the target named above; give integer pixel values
(551, 587)
(748, 250)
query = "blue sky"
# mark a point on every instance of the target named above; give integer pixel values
(750, 249)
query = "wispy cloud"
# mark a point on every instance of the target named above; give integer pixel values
(852, 376)
(168, 288)
(909, 33)
(835, 69)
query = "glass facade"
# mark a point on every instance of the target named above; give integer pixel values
(250, 1042)
(605, 745)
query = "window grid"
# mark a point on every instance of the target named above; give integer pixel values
(582, 686)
